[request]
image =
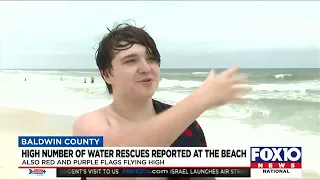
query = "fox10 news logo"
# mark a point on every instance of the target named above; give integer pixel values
(276, 160)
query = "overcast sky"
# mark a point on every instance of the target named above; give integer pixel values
(188, 34)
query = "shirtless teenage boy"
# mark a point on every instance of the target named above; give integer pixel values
(129, 63)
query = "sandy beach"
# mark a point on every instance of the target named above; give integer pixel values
(17, 122)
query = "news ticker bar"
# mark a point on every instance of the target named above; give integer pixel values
(154, 172)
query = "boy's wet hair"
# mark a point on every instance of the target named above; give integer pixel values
(123, 36)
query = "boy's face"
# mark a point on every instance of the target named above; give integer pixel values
(134, 73)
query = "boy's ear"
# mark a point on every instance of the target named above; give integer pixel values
(106, 76)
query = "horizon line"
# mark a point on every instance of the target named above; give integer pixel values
(166, 68)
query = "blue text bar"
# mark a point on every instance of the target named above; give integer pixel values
(60, 141)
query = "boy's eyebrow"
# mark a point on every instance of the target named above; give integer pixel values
(129, 56)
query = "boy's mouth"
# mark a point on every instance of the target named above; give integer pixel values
(146, 80)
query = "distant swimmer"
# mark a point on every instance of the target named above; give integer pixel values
(92, 79)
(85, 80)
(61, 79)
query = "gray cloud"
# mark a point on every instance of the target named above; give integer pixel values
(62, 34)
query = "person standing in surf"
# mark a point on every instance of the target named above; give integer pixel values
(129, 62)
(92, 79)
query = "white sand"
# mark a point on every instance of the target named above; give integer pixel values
(18, 122)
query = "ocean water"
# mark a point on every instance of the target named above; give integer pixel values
(283, 108)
